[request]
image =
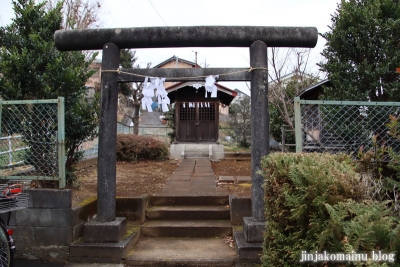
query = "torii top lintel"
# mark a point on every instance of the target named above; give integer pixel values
(192, 36)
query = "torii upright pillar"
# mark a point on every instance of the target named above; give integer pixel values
(106, 227)
(106, 182)
(253, 226)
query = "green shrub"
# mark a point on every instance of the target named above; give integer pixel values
(304, 196)
(363, 227)
(134, 147)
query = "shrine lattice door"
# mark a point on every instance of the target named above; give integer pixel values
(198, 123)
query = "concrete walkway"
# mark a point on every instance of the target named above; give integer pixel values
(193, 177)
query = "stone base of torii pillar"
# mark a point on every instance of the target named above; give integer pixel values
(104, 232)
(249, 242)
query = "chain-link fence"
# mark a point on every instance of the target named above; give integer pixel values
(32, 140)
(343, 126)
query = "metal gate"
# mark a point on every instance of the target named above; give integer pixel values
(32, 140)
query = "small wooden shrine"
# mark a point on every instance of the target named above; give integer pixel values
(197, 116)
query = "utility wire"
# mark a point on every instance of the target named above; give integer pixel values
(129, 1)
(111, 15)
(158, 13)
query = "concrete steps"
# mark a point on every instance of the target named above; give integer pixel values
(211, 151)
(194, 228)
(237, 155)
(196, 154)
(188, 213)
(203, 200)
(193, 151)
(187, 216)
(184, 231)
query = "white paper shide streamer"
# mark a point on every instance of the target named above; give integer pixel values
(161, 94)
(148, 93)
(210, 85)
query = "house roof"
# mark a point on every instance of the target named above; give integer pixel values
(241, 92)
(288, 77)
(224, 94)
(175, 58)
(313, 92)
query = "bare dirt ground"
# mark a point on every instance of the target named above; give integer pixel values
(149, 177)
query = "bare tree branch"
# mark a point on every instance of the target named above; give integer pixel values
(289, 75)
(79, 14)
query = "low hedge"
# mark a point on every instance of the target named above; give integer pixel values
(134, 147)
(316, 202)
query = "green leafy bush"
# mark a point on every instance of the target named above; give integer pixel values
(315, 202)
(379, 167)
(363, 227)
(134, 147)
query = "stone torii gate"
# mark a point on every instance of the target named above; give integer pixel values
(257, 38)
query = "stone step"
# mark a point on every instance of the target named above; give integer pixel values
(105, 252)
(156, 251)
(194, 154)
(199, 200)
(198, 228)
(238, 159)
(238, 155)
(188, 213)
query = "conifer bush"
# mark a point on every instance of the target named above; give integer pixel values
(134, 147)
(316, 202)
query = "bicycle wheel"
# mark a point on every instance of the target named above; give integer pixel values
(5, 251)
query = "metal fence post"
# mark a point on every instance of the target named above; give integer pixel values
(298, 126)
(10, 161)
(61, 142)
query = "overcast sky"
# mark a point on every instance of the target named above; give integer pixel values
(147, 13)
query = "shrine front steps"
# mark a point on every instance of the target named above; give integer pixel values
(184, 231)
(212, 151)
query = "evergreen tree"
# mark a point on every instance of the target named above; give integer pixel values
(32, 68)
(127, 60)
(363, 51)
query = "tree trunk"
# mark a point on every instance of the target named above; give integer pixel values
(135, 118)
